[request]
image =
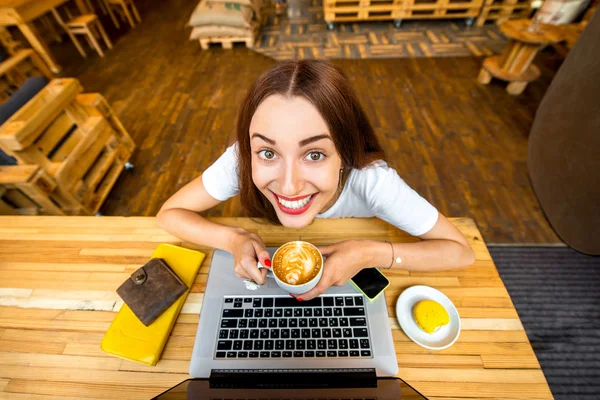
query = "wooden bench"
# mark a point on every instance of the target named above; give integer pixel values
(75, 139)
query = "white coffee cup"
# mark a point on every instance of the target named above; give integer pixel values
(304, 287)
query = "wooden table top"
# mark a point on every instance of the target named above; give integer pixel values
(58, 277)
(13, 12)
(518, 29)
(14, 3)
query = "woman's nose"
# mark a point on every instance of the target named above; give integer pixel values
(292, 182)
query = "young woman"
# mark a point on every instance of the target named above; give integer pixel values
(305, 149)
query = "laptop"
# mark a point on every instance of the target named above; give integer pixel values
(265, 329)
(363, 385)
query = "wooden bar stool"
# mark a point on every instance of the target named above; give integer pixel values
(123, 6)
(87, 25)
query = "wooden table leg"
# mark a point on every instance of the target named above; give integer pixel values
(516, 88)
(484, 76)
(104, 35)
(90, 36)
(128, 15)
(38, 44)
(136, 14)
(41, 65)
(83, 8)
(112, 15)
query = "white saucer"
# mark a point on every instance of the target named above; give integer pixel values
(443, 337)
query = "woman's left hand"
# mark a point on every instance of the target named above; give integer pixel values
(344, 260)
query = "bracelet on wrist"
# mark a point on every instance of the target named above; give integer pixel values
(395, 259)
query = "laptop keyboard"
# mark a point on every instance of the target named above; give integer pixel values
(283, 327)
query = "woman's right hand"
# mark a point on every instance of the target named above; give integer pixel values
(248, 248)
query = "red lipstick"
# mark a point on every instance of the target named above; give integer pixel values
(294, 211)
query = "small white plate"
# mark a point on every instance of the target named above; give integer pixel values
(443, 337)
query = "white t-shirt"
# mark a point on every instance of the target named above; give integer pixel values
(373, 191)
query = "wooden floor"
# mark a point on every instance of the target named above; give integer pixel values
(461, 145)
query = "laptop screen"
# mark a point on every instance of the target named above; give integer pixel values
(383, 389)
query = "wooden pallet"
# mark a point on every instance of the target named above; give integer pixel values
(372, 13)
(228, 41)
(439, 9)
(10, 44)
(75, 139)
(503, 10)
(15, 70)
(501, 15)
(361, 10)
(361, 3)
(373, 10)
(26, 190)
(507, 3)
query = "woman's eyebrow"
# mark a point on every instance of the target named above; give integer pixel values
(266, 139)
(301, 143)
(313, 139)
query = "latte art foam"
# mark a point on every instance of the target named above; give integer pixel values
(296, 263)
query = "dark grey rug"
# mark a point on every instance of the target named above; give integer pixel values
(556, 292)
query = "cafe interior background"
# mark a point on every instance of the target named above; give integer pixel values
(110, 106)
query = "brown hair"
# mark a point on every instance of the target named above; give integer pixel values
(328, 89)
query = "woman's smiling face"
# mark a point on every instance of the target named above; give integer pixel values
(294, 161)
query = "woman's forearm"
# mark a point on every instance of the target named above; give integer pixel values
(191, 227)
(426, 255)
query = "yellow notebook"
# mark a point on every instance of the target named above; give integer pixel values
(127, 337)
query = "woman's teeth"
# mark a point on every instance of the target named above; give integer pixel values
(294, 205)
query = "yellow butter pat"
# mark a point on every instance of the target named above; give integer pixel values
(430, 315)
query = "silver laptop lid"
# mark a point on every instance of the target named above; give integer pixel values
(335, 387)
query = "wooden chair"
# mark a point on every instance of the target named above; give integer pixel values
(87, 25)
(77, 143)
(123, 6)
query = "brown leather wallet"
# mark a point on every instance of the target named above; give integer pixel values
(151, 290)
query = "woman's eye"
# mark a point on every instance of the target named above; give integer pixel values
(267, 154)
(315, 156)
